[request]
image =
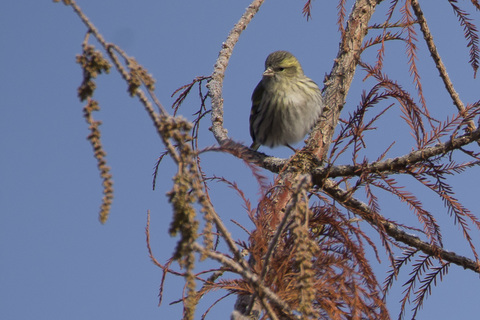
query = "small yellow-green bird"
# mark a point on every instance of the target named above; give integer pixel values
(285, 104)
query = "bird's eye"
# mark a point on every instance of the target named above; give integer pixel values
(281, 68)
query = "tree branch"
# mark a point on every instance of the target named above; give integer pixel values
(362, 209)
(338, 82)
(215, 85)
(388, 166)
(395, 165)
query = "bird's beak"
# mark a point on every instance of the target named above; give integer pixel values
(268, 72)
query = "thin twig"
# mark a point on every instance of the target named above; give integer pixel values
(427, 35)
(125, 75)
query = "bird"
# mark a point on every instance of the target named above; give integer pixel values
(285, 103)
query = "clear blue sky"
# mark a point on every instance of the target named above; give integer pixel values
(56, 260)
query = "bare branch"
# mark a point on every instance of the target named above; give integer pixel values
(427, 35)
(215, 85)
(396, 165)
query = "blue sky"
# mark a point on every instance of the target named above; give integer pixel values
(56, 260)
